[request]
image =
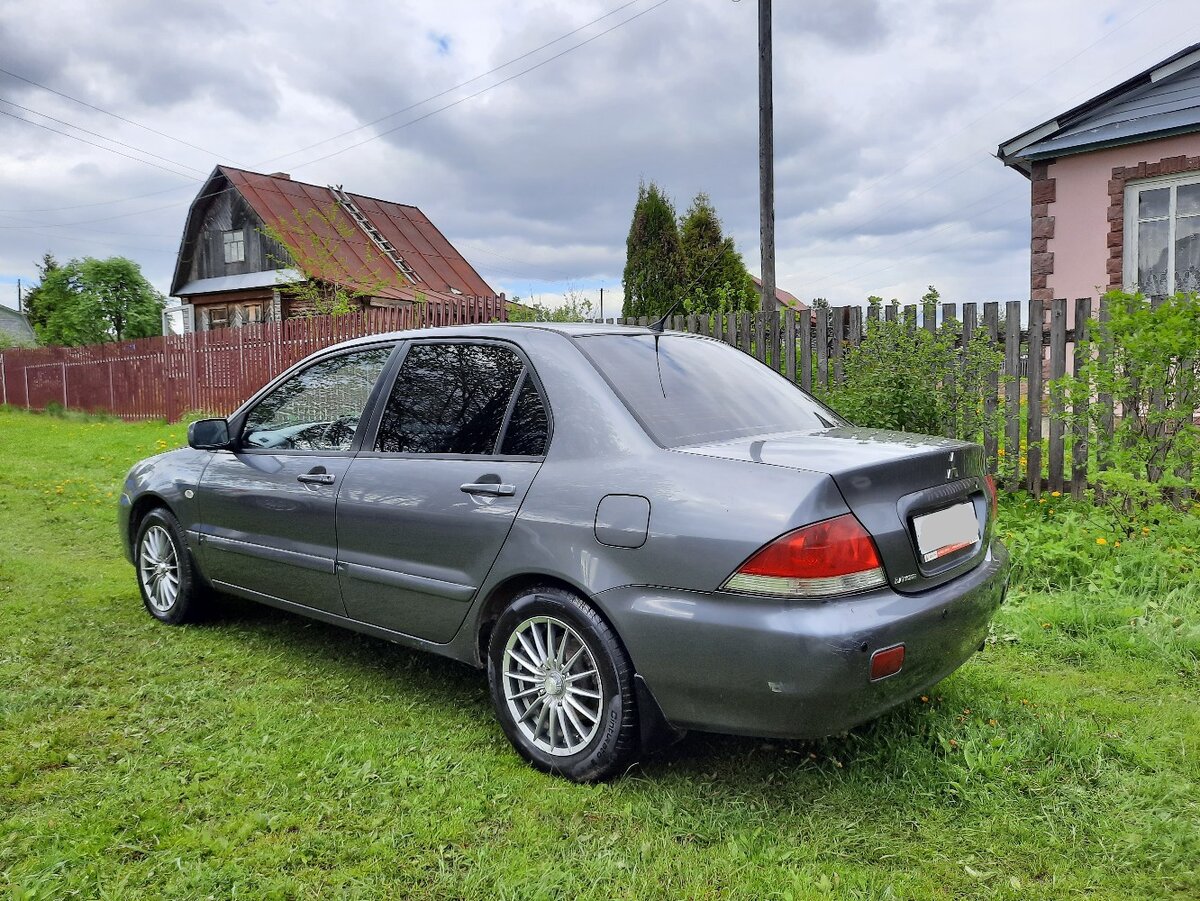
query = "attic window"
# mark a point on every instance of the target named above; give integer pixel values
(1162, 235)
(235, 246)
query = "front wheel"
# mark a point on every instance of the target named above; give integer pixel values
(562, 686)
(168, 582)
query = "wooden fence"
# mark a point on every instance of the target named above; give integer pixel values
(1023, 427)
(1029, 438)
(211, 371)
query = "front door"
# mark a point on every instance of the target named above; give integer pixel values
(426, 506)
(267, 509)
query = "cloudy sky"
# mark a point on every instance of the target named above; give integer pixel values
(522, 128)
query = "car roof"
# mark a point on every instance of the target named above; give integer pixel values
(507, 330)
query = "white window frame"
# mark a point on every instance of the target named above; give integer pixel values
(1132, 190)
(234, 242)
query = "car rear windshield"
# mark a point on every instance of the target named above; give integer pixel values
(687, 390)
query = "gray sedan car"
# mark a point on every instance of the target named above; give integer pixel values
(636, 533)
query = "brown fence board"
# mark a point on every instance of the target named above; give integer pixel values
(991, 326)
(1079, 408)
(1058, 368)
(1033, 413)
(1012, 390)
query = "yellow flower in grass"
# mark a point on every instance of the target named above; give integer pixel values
(1145, 530)
(1101, 541)
(1056, 494)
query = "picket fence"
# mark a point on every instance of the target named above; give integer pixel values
(1024, 426)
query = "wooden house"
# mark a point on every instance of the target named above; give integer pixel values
(260, 248)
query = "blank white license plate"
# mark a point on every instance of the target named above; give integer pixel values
(942, 533)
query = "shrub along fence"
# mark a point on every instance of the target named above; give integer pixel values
(211, 371)
(1114, 397)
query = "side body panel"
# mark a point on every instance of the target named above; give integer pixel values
(263, 530)
(413, 547)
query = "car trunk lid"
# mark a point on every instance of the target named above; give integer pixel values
(915, 494)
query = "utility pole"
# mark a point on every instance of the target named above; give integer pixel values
(601, 304)
(19, 302)
(766, 157)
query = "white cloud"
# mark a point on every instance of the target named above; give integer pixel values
(886, 116)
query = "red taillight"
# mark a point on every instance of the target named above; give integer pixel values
(833, 557)
(991, 487)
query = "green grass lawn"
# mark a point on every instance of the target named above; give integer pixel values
(260, 755)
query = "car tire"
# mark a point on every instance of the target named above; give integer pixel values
(167, 579)
(567, 723)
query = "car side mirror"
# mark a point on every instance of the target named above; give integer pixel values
(209, 434)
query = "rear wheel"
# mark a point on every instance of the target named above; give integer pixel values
(170, 589)
(562, 686)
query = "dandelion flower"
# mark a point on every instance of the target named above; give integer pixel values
(1101, 541)
(1056, 494)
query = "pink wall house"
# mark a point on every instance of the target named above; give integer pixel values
(1115, 187)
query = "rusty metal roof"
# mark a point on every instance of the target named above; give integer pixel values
(333, 247)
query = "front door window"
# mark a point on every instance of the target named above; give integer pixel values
(317, 409)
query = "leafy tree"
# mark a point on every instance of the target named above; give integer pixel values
(654, 263)
(575, 308)
(35, 308)
(717, 280)
(90, 301)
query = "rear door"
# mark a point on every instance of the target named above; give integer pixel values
(427, 504)
(267, 509)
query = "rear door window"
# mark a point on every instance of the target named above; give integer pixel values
(450, 398)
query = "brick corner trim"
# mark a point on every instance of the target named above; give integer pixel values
(1170, 165)
(1041, 259)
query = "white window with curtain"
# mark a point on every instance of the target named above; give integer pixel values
(1162, 235)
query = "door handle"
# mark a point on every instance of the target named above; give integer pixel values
(492, 489)
(315, 478)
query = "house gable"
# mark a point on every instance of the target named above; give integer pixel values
(391, 250)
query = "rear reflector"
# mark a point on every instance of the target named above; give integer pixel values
(828, 558)
(887, 662)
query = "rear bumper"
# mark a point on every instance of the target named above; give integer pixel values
(794, 669)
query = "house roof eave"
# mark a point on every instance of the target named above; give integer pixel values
(1010, 151)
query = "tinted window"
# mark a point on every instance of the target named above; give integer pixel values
(528, 428)
(693, 391)
(319, 408)
(449, 399)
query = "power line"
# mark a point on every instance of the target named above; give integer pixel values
(343, 134)
(490, 87)
(161, 134)
(461, 84)
(92, 143)
(97, 134)
(941, 143)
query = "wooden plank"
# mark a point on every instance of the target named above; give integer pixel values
(838, 343)
(718, 327)
(760, 336)
(731, 330)
(1012, 391)
(1033, 409)
(1079, 410)
(745, 333)
(789, 343)
(929, 317)
(773, 340)
(805, 339)
(889, 312)
(991, 327)
(958, 408)
(1056, 462)
(822, 341)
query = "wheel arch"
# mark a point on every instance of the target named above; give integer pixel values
(142, 506)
